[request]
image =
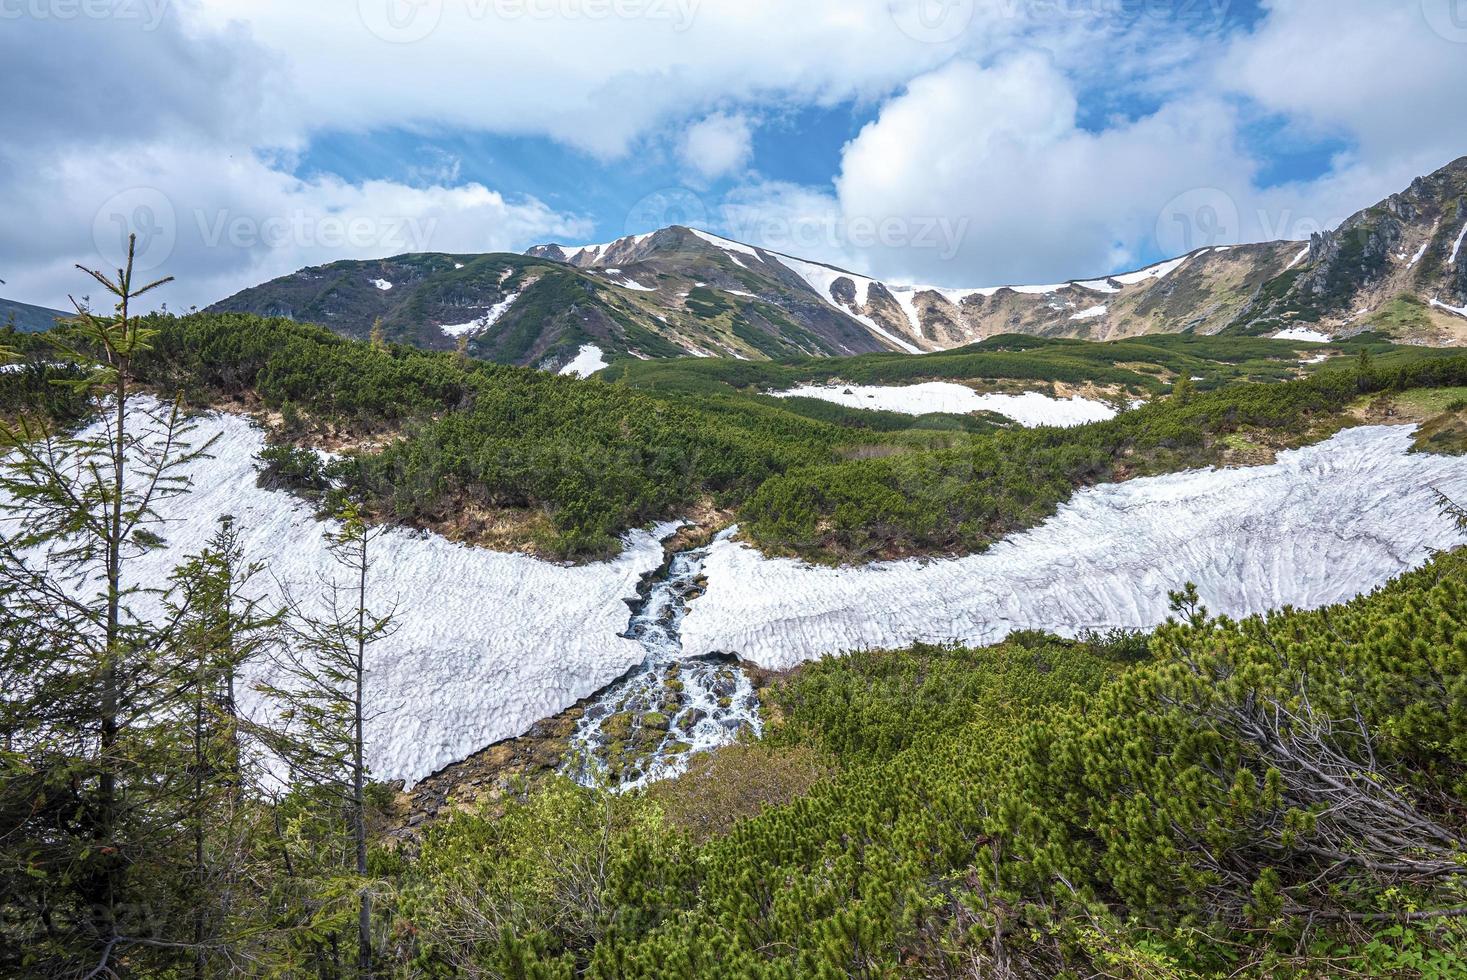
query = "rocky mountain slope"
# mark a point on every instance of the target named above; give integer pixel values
(1398, 268)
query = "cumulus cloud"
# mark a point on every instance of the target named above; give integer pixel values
(219, 223)
(986, 173)
(1096, 148)
(1000, 150)
(718, 145)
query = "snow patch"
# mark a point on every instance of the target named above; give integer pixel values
(1303, 335)
(1159, 271)
(726, 244)
(633, 284)
(1028, 409)
(1090, 314)
(484, 322)
(487, 643)
(588, 361)
(1457, 246)
(1459, 310)
(1319, 526)
(382, 284)
(1419, 253)
(1298, 258)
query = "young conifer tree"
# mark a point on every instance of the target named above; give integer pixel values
(323, 701)
(223, 625)
(82, 653)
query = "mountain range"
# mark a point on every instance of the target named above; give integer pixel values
(1396, 268)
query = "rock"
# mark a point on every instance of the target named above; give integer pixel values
(618, 727)
(656, 721)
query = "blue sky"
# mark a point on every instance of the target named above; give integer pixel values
(949, 142)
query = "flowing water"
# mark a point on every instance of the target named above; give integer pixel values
(647, 725)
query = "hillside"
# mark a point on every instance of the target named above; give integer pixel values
(907, 808)
(1392, 269)
(27, 318)
(534, 311)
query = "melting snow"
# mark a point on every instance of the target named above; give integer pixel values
(572, 253)
(1303, 335)
(1029, 408)
(1459, 310)
(1457, 246)
(382, 284)
(632, 284)
(1159, 271)
(484, 322)
(726, 244)
(1099, 285)
(1089, 314)
(587, 362)
(1298, 258)
(1321, 525)
(487, 643)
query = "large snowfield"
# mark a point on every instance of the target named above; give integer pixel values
(487, 644)
(1321, 525)
(1029, 408)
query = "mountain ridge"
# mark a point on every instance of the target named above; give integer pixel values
(1394, 268)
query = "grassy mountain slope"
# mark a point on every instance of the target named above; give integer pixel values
(27, 318)
(679, 292)
(518, 458)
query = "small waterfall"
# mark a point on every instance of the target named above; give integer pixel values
(645, 726)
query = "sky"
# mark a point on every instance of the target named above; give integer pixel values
(955, 143)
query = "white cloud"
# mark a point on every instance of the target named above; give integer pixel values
(1379, 73)
(1039, 165)
(219, 223)
(718, 145)
(998, 153)
(1029, 193)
